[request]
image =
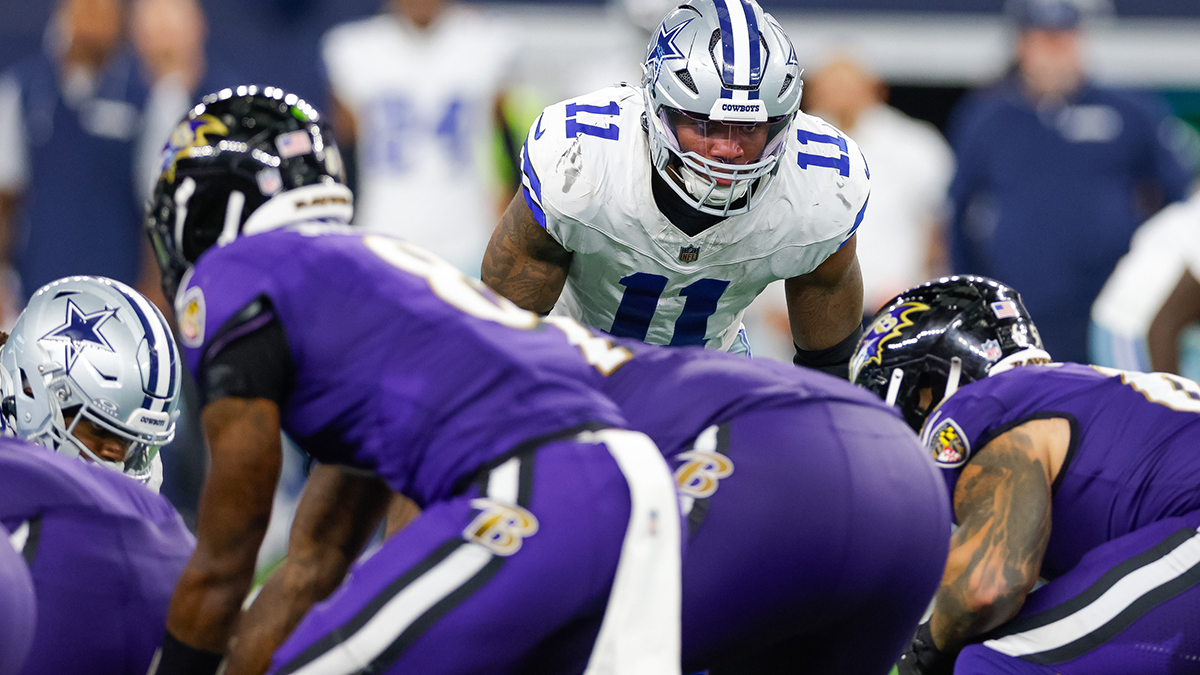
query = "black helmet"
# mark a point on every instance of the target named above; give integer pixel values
(940, 335)
(232, 153)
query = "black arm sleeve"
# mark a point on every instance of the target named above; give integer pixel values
(249, 357)
(835, 360)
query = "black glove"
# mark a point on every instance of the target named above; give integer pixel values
(176, 658)
(921, 657)
(834, 360)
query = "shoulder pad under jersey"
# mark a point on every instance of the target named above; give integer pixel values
(578, 151)
(219, 286)
(825, 177)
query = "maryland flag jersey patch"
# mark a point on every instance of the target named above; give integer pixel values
(191, 312)
(948, 445)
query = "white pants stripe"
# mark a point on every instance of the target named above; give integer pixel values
(1105, 608)
(364, 646)
(640, 632)
(410, 604)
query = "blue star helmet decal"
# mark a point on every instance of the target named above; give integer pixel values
(664, 47)
(81, 330)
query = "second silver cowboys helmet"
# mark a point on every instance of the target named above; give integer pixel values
(90, 348)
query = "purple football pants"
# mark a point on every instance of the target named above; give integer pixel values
(1131, 605)
(18, 613)
(512, 576)
(819, 547)
(103, 584)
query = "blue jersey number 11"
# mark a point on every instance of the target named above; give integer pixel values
(805, 160)
(640, 301)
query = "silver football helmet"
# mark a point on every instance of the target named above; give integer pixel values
(90, 348)
(722, 86)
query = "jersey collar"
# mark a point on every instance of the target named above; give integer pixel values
(323, 201)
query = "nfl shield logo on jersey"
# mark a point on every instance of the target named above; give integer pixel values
(689, 254)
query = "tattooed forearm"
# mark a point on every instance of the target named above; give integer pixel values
(1003, 506)
(523, 262)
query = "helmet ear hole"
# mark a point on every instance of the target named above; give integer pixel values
(25, 386)
(8, 406)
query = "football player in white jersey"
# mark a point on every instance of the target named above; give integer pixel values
(1139, 311)
(416, 90)
(665, 209)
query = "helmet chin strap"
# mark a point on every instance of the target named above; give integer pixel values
(233, 217)
(182, 195)
(952, 382)
(953, 379)
(893, 391)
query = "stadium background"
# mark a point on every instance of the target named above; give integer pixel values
(929, 51)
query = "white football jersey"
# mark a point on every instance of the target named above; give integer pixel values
(1161, 249)
(424, 102)
(586, 176)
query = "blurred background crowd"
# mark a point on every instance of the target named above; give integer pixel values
(1027, 140)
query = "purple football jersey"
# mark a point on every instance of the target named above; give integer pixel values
(402, 366)
(1132, 460)
(104, 555)
(672, 394)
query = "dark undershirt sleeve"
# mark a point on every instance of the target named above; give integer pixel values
(835, 360)
(249, 357)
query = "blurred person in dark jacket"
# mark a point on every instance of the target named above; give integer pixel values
(69, 119)
(1054, 175)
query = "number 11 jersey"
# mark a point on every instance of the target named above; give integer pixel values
(586, 176)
